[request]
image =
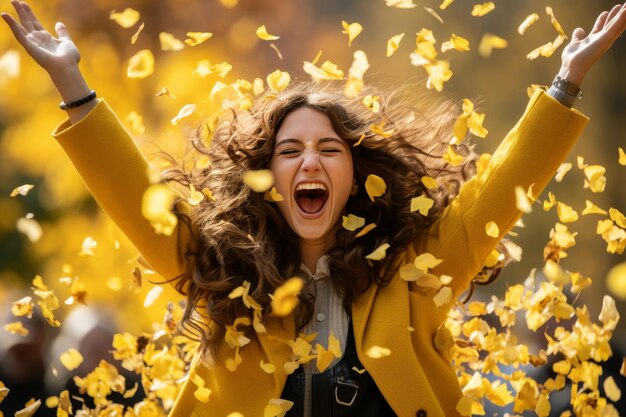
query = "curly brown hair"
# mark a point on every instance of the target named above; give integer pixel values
(242, 237)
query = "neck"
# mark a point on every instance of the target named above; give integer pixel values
(313, 250)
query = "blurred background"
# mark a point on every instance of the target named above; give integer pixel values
(67, 215)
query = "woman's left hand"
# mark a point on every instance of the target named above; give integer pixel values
(584, 51)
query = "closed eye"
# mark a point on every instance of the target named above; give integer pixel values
(289, 152)
(331, 150)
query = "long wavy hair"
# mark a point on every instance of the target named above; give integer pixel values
(240, 236)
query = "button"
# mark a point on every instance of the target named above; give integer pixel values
(321, 317)
(420, 413)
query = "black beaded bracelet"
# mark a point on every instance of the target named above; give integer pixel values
(79, 102)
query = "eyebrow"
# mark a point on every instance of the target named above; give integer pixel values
(299, 142)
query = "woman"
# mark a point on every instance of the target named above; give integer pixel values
(324, 158)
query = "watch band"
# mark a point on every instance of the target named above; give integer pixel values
(567, 87)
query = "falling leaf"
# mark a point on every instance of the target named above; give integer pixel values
(429, 182)
(393, 43)
(557, 26)
(141, 65)
(23, 307)
(259, 180)
(596, 178)
(352, 30)
(156, 206)
(352, 222)
(434, 14)
(22, 190)
(133, 39)
(400, 4)
(591, 208)
(528, 21)
(29, 227)
(377, 352)
(618, 217)
(328, 71)
(366, 230)
(372, 103)
(492, 230)
(187, 111)
(277, 408)
(547, 49)
(9, 65)
(261, 32)
(273, 196)
(611, 390)
(126, 19)
(29, 410)
(421, 204)
(170, 43)
(443, 297)
(489, 42)
(566, 213)
(522, 202)
(201, 393)
(483, 9)
(452, 157)
(285, 297)
(16, 327)
(426, 261)
(267, 367)
(275, 48)
(445, 3)
(71, 359)
(278, 80)
(152, 296)
(379, 253)
(86, 248)
(622, 157)
(196, 38)
(455, 42)
(375, 186)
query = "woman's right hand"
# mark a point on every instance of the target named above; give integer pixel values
(52, 54)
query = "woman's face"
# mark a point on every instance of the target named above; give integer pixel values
(312, 167)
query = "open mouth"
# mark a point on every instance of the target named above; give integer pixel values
(311, 197)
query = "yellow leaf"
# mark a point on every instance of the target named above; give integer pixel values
(393, 43)
(277, 408)
(16, 327)
(445, 3)
(483, 9)
(452, 157)
(377, 352)
(135, 123)
(409, 272)
(554, 22)
(267, 367)
(379, 253)
(366, 230)
(156, 207)
(285, 297)
(547, 49)
(126, 18)
(260, 180)
(622, 156)
(421, 204)
(429, 281)
(489, 42)
(352, 30)
(278, 80)
(134, 38)
(492, 229)
(434, 14)
(196, 38)
(375, 186)
(522, 202)
(86, 248)
(273, 196)
(21, 190)
(566, 213)
(23, 307)
(609, 315)
(529, 20)
(443, 297)
(618, 217)
(464, 406)
(550, 202)
(71, 359)
(141, 65)
(400, 4)
(596, 178)
(611, 390)
(29, 410)
(372, 103)
(561, 171)
(261, 32)
(29, 227)
(543, 406)
(426, 261)
(429, 182)
(455, 42)
(352, 222)
(169, 42)
(152, 296)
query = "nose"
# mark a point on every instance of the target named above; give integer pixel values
(311, 161)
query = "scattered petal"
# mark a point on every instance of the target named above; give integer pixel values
(443, 297)
(528, 21)
(434, 14)
(170, 43)
(261, 32)
(196, 38)
(285, 297)
(375, 186)
(278, 80)
(393, 43)
(71, 359)
(126, 19)
(152, 296)
(273, 196)
(133, 39)
(522, 202)
(400, 4)
(492, 229)
(622, 157)
(483, 9)
(141, 65)
(259, 180)
(21, 190)
(352, 222)
(422, 204)
(352, 30)
(366, 230)
(489, 42)
(377, 352)
(379, 253)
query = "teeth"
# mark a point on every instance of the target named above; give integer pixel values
(310, 186)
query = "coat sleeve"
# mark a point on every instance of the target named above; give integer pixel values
(529, 155)
(115, 172)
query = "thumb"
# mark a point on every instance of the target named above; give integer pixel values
(578, 34)
(62, 32)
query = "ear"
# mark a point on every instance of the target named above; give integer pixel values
(355, 188)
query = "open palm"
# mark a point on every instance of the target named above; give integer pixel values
(49, 52)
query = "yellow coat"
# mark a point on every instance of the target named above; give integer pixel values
(416, 377)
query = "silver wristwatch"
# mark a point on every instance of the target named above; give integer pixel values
(565, 91)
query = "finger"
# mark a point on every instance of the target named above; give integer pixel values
(613, 12)
(578, 34)
(29, 12)
(600, 21)
(18, 31)
(24, 20)
(62, 32)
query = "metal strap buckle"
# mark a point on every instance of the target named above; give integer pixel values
(346, 385)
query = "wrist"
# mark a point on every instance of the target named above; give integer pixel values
(70, 83)
(573, 75)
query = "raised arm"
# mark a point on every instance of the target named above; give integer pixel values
(529, 155)
(106, 157)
